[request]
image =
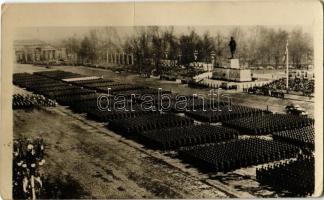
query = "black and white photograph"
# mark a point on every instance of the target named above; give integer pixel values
(164, 110)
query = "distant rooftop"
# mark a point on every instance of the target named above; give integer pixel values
(29, 42)
(20, 44)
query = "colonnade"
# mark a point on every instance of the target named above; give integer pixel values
(119, 58)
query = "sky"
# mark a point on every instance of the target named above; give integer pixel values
(57, 34)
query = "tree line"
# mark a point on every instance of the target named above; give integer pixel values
(256, 46)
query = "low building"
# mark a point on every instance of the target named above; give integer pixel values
(61, 54)
(31, 51)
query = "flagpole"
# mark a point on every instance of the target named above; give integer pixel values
(287, 66)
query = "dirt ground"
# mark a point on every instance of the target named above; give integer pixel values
(102, 164)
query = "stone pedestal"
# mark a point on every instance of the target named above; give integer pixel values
(235, 64)
(228, 74)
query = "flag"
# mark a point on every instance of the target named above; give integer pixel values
(287, 70)
(286, 50)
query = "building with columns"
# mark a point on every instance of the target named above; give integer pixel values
(31, 51)
(115, 57)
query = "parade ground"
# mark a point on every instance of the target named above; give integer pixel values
(94, 162)
(274, 104)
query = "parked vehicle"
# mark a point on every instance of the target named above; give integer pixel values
(296, 110)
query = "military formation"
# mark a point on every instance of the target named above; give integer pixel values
(236, 154)
(31, 101)
(224, 112)
(303, 137)
(217, 148)
(174, 138)
(297, 176)
(269, 123)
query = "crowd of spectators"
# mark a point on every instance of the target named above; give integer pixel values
(277, 88)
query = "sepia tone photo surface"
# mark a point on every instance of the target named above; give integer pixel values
(172, 100)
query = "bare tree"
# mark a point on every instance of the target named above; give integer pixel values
(299, 47)
(208, 45)
(256, 45)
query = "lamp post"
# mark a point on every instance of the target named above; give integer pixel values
(155, 60)
(141, 61)
(212, 55)
(154, 56)
(195, 56)
(166, 54)
(287, 68)
(179, 58)
(166, 63)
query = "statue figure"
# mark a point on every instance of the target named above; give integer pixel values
(232, 45)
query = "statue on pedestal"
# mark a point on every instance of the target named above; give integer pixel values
(232, 45)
